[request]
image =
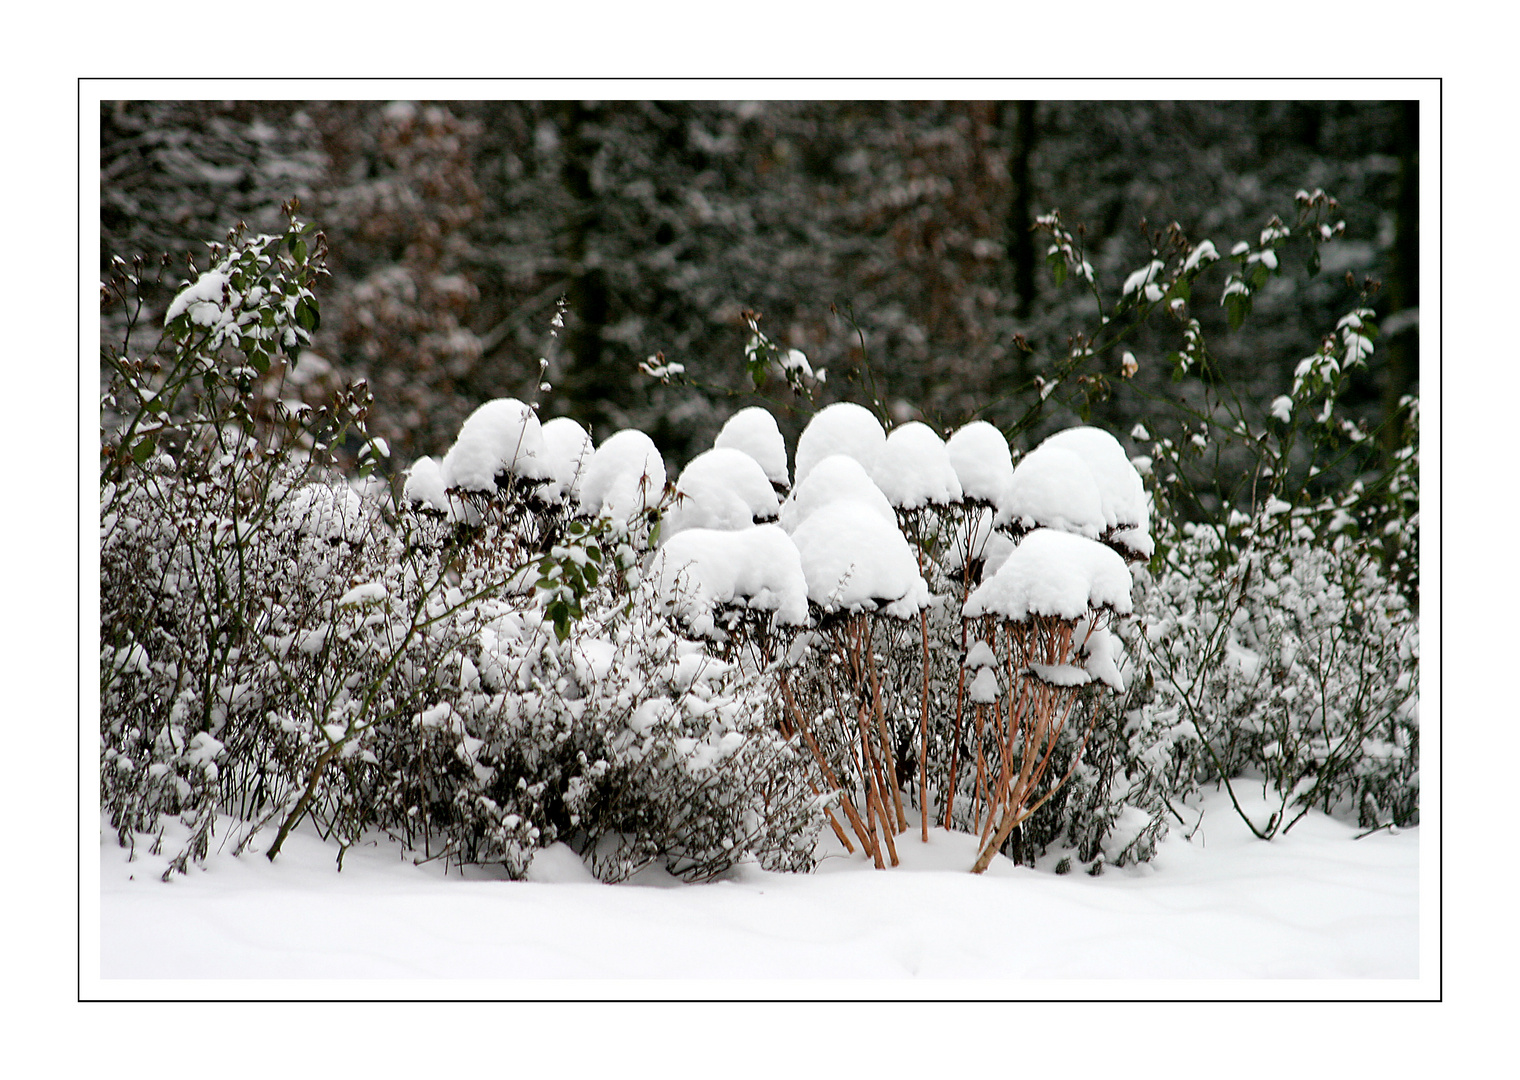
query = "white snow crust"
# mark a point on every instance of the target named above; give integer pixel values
(758, 567)
(753, 430)
(837, 478)
(913, 468)
(842, 428)
(855, 561)
(625, 476)
(982, 461)
(502, 436)
(1054, 573)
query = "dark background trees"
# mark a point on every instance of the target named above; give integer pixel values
(457, 228)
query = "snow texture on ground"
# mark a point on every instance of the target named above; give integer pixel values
(1314, 904)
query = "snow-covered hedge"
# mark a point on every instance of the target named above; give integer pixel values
(543, 637)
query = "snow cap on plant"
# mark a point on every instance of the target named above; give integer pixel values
(842, 428)
(837, 478)
(982, 461)
(753, 430)
(1052, 488)
(721, 489)
(501, 439)
(1055, 574)
(758, 568)
(913, 468)
(1126, 506)
(624, 477)
(855, 561)
(567, 450)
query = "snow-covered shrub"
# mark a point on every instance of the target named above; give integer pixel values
(479, 668)
(1293, 662)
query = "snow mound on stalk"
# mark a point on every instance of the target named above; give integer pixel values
(502, 437)
(982, 461)
(842, 428)
(722, 489)
(1121, 491)
(1054, 488)
(835, 479)
(855, 561)
(567, 451)
(1057, 574)
(758, 567)
(913, 468)
(624, 477)
(753, 431)
(424, 485)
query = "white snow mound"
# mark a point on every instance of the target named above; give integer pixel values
(1054, 573)
(722, 489)
(855, 561)
(836, 479)
(1053, 488)
(754, 432)
(500, 437)
(1120, 488)
(625, 476)
(758, 567)
(567, 451)
(982, 460)
(842, 428)
(424, 484)
(913, 468)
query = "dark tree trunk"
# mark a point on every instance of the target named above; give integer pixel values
(1403, 288)
(1020, 220)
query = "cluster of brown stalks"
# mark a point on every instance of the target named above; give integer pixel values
(851, 741)
(1027, 720)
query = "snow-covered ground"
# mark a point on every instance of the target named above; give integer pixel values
(1317, 904)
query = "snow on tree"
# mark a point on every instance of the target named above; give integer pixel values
(754, 431)
(1054, 574)
(841, 428)
(424, 485)
(722, 488)
(701, 571)
(1048, 599)
(913, 469)
(625, 476)
(1121, 491)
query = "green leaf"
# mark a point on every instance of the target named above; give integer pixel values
(1314, 261)
(298, 249)
(307, 317)
(1258, 276)
(1183, 289)
(1238, 307)
(143, 450)
(1058, 268)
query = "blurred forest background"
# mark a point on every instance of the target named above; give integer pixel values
(455, 229)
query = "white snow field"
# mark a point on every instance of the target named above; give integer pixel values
(1316, 904)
